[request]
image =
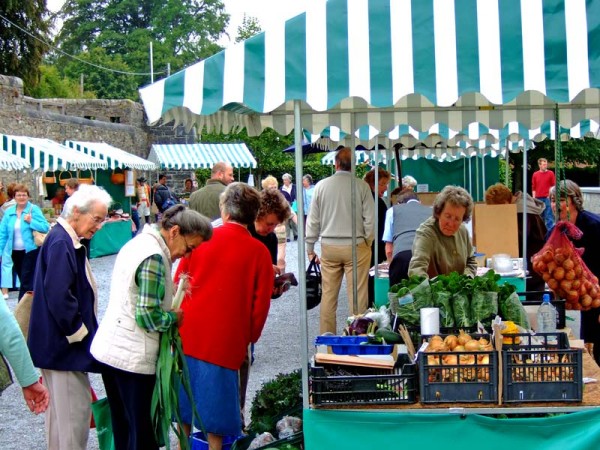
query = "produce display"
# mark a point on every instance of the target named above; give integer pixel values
(463, 301)
(458, 359)
(560, 265)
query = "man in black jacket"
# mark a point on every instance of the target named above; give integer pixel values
(164, 193)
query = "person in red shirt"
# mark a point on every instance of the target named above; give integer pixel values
(231, 282)
(541, 182)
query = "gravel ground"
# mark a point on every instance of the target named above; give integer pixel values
(278, 351)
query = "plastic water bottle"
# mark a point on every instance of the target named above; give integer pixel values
(546, 318)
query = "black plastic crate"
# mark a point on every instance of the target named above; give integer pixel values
(544, 341)
(463, 377)
(418, 339)
(532, 374)
(534, 298)
(334, 384)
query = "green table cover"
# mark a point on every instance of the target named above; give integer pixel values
(109, 239)
(373, 430)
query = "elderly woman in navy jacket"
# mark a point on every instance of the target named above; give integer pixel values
(63, 318)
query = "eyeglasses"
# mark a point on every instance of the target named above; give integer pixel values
(98, 220)
(188, 247)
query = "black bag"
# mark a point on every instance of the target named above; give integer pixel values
(313, 284)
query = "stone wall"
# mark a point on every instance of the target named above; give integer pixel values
(120, 123)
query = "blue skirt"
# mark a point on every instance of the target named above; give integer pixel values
(216, 396)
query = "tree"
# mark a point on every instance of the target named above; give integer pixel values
(23, 32)
(53, 85)
(249, 27)
(181, 31)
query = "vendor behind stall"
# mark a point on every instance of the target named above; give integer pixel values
(442, 244)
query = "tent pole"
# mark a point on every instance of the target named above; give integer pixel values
(506, 180)
(483, 176)
(353, 209)
(301, 255)
(524, 195)
(376, 199)
(477, 177)
(470, 177)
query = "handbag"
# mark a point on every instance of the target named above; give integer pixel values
(313, 284)
(102, 418)
(23, 312)
(6, 378)
(39, 237)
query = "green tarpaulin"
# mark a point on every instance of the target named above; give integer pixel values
(356, 430)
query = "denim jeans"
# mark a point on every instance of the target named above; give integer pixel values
(547, 215)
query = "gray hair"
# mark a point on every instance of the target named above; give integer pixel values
(190, 222)
(457, 196)
(241, 202)
(286, 176)
(85, 198)
(308, 178)
(408, 181)
(569, 189)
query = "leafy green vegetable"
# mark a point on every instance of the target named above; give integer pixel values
(276, 398)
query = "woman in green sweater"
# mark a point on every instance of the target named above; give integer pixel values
(442, 243)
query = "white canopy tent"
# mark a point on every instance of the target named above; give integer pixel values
(350, 63)
(114, 157)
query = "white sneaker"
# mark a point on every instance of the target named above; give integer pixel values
(5, 296)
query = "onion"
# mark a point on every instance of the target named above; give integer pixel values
(450, 360)
(463, 337)
(472, 346)
(451, 341)
(459, 348)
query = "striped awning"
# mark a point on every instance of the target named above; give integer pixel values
(384, 63)
(9, 161)
(197, 156)
(114, 157)
(45, 154)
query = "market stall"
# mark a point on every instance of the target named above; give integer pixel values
(346, 64)
(119, 181)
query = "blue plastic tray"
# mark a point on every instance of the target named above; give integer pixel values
(353, 345)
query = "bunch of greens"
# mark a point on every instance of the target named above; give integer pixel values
(511, 307)
(275, 399)
(484, 298)
(442, 299)
(412, 294)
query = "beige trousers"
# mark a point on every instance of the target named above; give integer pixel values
(69, 412)
(336, 261)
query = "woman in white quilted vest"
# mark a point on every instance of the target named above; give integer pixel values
(139, 309)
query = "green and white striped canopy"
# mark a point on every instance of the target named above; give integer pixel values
(385, 63)
(114, 157)
(46, 154)
(198, 156)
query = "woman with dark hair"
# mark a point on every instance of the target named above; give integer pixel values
(442, 244)
(139, 310)
(16, 236)
(571, 209)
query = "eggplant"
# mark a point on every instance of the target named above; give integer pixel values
(361, 325)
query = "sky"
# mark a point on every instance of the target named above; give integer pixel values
(267, 12)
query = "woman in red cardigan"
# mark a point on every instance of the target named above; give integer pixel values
(231, 282)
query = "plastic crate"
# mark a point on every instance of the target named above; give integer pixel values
(544, 341)
(362, 385)
(466, 379)
(353, 345)
(418, 339)
(533, 374)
